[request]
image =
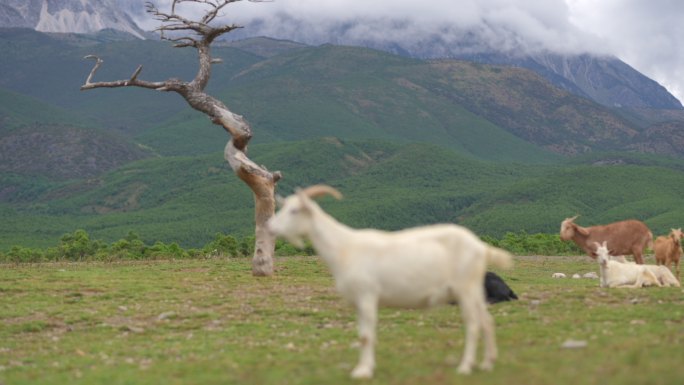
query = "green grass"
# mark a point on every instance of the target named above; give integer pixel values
(211, 322)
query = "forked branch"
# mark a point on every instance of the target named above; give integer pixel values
(173, 22)
(132, 81)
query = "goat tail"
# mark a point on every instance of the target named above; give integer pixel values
(499, 257)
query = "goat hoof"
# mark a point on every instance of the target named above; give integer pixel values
(464, 369)
(362, 372)
(487, 366)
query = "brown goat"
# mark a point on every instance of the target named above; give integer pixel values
(667, 249)
(624, 237)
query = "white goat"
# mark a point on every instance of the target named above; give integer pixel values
(617, 274)
(664, 275)
(413, 268)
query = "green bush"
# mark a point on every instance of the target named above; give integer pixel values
(246, 246)
(284, 248)
(161, 250)
(78, 246)
(522, 243)
(128, 249)
(19, 254)
(225, 245)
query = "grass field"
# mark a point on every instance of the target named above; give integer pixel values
(211, 322)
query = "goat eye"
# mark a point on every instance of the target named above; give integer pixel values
(294, 211)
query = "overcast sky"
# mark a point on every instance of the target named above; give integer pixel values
(646, 34)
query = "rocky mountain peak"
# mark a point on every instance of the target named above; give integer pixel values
(67, 16)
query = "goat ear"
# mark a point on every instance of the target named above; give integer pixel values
(304, 199)
(581, 229)
(279, 200)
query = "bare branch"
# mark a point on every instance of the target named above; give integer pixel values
(175, 22)
(189, 42)
(98, 63)
(132, 81)
(134, 77)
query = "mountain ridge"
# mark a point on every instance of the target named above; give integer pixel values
(606, 80)
(366, 92)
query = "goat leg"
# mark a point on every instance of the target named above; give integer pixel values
(367, 308)
(471, 315)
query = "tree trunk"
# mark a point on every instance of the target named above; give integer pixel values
(262, 183)
(264, 246)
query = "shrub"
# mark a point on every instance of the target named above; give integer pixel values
(246, 246)
(77, 246)
(125, 249)
(20, 254)
(536, 244)
(222, 244)
(284, 248)
(162, 250)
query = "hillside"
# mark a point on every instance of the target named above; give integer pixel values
(293, 92)
(407, 141)
(60, 152)
(38, 139)
(606, 80)
(357, 94)
(52, 68)
(386, 185)
(532, 108)
(17, 110)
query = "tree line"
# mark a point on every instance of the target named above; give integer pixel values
(78, 246)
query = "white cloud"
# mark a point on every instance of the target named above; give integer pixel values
(644, 33)
(647, 34)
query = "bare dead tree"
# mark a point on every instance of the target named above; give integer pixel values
(200, 34)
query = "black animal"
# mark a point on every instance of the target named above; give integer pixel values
(497, 290)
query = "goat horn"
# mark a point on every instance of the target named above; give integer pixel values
(320, 190)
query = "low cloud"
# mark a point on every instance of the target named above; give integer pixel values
(642, 33)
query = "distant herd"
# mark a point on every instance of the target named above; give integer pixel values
(447, 264)
(610, 243)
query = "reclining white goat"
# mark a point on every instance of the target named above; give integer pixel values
(619, 274)
(413, 268)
